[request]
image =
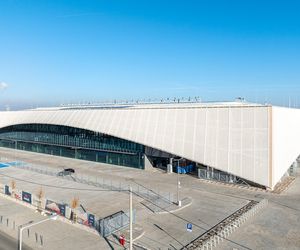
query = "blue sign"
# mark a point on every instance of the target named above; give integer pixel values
(26, 197)
(189, 227)
(62, 209)
(91, 219)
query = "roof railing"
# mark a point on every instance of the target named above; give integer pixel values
(196, 99)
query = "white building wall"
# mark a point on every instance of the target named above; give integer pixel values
(286, 140)
(232, 139)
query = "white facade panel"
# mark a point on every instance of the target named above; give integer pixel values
(233, 138)
(285, 140)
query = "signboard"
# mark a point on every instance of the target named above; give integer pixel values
(82, 218)
(17, 194)
(52, 206)
(6, 189)
(62, 209)
(91, 219)
(26, 197)
(189, 227)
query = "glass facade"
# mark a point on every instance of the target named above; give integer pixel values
(74, 143)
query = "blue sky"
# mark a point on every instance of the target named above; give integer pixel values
(73, 51)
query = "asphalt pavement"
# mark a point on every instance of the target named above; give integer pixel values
(9, 243)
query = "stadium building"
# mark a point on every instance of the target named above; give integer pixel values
(250, 142)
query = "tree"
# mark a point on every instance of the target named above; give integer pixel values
(13, 187)
(74, 205)
(40, 194)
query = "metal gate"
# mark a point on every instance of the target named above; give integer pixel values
(114, 222)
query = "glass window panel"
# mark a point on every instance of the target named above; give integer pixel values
(61, 140)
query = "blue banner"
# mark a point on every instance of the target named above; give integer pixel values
(91, 219)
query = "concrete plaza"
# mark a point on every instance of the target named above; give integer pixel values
(276, 227)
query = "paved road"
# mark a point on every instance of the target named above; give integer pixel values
(9, 243)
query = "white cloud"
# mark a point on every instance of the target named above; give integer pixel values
(3, 85)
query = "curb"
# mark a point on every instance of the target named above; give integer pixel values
(178, 208)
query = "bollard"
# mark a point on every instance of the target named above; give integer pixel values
(41, 240)
(210, 244)
(7, 222)
(222, 235)
(122, 240)
(213, 241)
(36, 237)
(232, 227)
(27, 232)
(227, 231)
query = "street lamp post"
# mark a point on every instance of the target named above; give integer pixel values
(30, 224)
(130, 218)
(178, 183)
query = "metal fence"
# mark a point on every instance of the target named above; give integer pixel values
(218, 176)
(156, 197)
(115, 222)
